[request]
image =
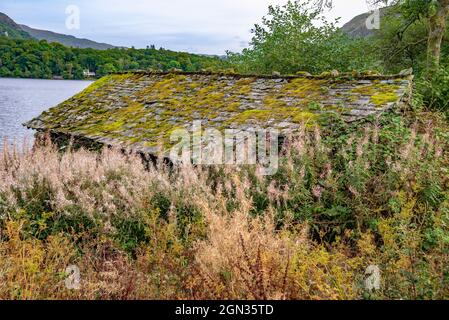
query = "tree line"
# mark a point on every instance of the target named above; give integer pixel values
(40, 59)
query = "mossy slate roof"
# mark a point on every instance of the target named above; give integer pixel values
(140, 110)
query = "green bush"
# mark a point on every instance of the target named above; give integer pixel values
(435, 91)
(294, 37)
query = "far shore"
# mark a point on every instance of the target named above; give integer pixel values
(13, 78)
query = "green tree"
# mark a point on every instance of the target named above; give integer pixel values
(31, 58)
(134, 65)
(174, 65)
(289, 40)
(107, 69)
(436, 13)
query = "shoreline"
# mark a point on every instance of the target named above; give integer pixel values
(18, 78)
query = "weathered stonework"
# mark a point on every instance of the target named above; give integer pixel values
(140, 110)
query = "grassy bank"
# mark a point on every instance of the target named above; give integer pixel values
(343, 199)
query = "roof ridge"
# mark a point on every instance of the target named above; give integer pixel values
(324, 75)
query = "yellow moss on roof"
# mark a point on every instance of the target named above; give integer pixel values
(144, 108)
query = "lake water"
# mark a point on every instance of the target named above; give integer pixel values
(23, 99)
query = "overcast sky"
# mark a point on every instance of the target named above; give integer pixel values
(199, 26)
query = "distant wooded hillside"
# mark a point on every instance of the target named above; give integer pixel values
(29, 58)
(9, 28)
(67, 40)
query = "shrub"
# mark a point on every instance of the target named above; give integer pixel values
(435, 91)
(296, 38)
(372, 193)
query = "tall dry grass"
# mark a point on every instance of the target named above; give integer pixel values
(376, 194)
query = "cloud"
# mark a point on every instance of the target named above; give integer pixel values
(207, 26)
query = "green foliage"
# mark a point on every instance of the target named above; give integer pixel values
(353, 179)
(296, 38)
(402, 43)
(13, 33)
(372, 193)
(435, 91)
(402, 39)
(129, 232)
(39, 59)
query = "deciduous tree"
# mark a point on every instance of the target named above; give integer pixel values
(435, 11)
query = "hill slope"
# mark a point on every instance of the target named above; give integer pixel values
(357, 26)
(66, 40)
(10, 29)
